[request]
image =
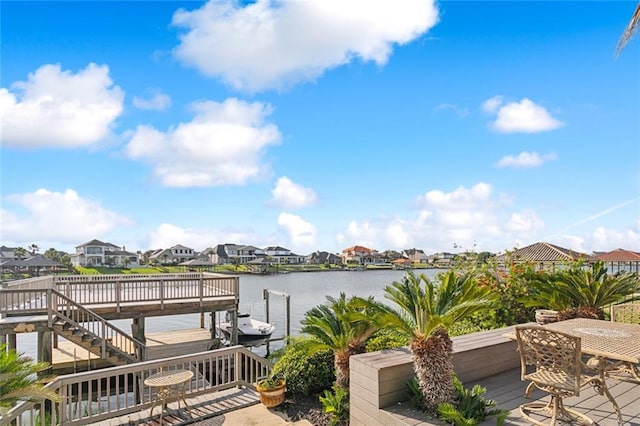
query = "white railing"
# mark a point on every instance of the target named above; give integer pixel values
(95, 396)
(121, 289)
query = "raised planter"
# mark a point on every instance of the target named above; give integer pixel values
(272, 396)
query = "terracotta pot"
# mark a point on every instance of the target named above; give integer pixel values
(272, 397)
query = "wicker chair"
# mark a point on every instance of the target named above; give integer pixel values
(551, 361)
(626, 312)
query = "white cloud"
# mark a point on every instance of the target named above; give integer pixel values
(223, 145)
(275, 44)
(525, 160)
(289, 195)
(492, 104)
(157, 101)
(460, 219)
(524, 116)
(70, 109)
(65, 217)
(300, 234)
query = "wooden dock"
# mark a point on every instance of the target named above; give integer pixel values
(70, 358)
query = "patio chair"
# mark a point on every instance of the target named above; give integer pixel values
(625, 371)
(626, 312)
(552, 362)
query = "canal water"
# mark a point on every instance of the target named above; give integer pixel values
(305, 290)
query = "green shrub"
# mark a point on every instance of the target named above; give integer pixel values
(306, 372)
(472, 408)
(336, 403)
(386, 339)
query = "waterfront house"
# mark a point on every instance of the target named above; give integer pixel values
(98, 253)
(280, 255)
(543, 256)
(415, 255)
(173, 255)
(441, 260)
(620, 260)
(360, 255)
(323, 258)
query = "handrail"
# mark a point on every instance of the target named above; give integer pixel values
(117, 391)
(111, 337)
(120, 291)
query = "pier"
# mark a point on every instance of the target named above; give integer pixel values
(71, 316)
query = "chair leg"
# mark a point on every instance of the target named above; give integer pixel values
(555, 410)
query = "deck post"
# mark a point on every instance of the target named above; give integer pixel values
(45, 349)
(137, 329)
(12, 341)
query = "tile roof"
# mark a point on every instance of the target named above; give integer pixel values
(545, 252)
(619, 255)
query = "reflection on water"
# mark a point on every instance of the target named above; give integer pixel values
(306, 290)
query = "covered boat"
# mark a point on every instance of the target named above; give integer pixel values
(251, 332)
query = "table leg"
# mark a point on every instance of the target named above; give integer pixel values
(601, 387)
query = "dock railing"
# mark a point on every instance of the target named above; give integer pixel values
(95, 396)
(29, 298)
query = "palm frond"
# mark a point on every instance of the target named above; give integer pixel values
(630, 31)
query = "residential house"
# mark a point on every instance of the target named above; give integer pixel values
(441, 260)
(323, 258)
(543, 256)
(360, 255)
(99, 253)
(415, 255)
(620, 260)
(280, 255)
(173, 255)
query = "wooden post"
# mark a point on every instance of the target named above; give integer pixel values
(45, 349)
(137, 329)
(12, 341)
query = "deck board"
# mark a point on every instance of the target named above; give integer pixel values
(508, 391)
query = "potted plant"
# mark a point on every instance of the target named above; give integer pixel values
(272, 390)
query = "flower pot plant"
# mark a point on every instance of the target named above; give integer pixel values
(272, 391)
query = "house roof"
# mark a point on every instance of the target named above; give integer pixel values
(38, 261)
(619, 255)
(545, 252)
(97, 243)
(358, 248)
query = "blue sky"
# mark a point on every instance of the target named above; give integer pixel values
(320, 125)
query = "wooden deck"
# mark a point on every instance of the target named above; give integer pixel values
(208, 409)
(508, 391)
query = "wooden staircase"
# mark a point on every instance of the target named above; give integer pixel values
(85, 328)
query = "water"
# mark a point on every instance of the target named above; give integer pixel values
(306, 290)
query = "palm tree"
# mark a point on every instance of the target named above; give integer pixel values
(580, 291)
(52, 254)
(630, 31)
(34, 248)
(426, 311)
(19, 380)
(19, 253)
(343, 326)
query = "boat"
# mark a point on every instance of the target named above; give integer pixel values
(251, 332)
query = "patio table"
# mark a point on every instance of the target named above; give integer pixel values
(610, 344)
(170, 385)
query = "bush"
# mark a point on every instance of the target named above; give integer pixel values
(305, 372)
(386, 339)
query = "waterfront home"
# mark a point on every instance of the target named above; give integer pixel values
(98, 253)
(621, 260)
(173, 255)
(543, 256)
